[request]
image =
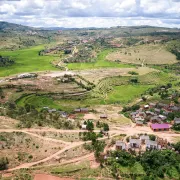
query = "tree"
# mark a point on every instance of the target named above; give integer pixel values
(106, 127)
(3, 163)
(90, 125)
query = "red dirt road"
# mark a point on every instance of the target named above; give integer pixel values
(49, 177)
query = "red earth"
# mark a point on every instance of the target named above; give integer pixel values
(49, 177)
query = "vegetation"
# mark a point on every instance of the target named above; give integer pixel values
(3, 163)
(5, 61)
(174, 47)
(156, 164)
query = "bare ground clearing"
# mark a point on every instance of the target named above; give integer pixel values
(94, 75)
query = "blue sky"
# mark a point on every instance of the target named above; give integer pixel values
(91, 13)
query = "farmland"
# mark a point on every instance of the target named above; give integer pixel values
(26, 60)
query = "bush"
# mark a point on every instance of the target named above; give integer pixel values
(4, 163)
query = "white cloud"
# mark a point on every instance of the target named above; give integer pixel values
(85, 13)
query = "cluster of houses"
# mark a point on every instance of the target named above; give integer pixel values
(157, 114)
(142, 142)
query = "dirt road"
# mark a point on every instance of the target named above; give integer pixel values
(129, 130)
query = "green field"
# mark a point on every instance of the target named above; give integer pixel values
(126, 93)
(37, 101)
(26, 60)
(120, 94)
(101, 62)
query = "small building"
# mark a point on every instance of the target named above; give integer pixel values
(139, 123)
(135, 143)
(162, 117)
(84, 110)
(155, 119)
(176, 120)
(162, 142)
(120, 145)
(143, 138)
(146, 106)
(52, 110)
(160, 127)
(149, 113)
(151, 144)
(161, 105)
(152, 105)
(174, 108)
(83, 126)
(156, 110)
(77, 110)
(103, 116)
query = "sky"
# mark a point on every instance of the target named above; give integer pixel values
(91, 13)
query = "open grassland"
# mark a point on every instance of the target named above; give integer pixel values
(26, 60)
(101, 62)
(146, 54)
(125, 93)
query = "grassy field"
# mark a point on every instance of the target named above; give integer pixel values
(149, 54)
(26, 60)
(101, 62)
(38, 101)
(126, 93)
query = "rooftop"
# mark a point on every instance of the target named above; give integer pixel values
(160, 126)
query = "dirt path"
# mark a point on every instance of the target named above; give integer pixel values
(73, 145)
(129, 130)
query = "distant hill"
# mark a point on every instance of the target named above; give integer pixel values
(5, 26)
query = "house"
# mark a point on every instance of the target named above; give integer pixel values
(161, 105)
(120, 145)
(162, 142)
(176, 120)
(135, 143)
(26, 75)
(143, 138)
(84, 110)
(146, 106)
(155, 119)
(174, 108)
(149, 113)
(152, 105)
(156, 110)
(165, 113)
(162, 117)
(160, 127)
(103, 116)
(151, 144)
(77, 110)
(139, 123)
(52, 110)
(83, 126)
(105, 133)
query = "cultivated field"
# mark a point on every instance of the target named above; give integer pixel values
(26, 60)
(146, 54)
